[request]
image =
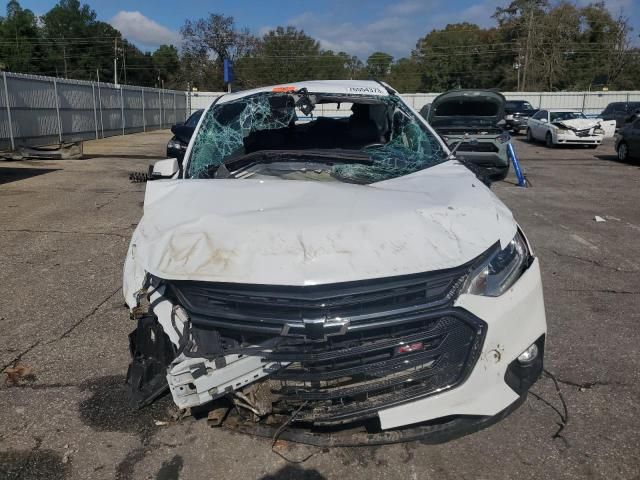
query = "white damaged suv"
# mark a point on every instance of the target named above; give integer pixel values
(320, 261)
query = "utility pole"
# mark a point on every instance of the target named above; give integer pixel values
(115, 60)
(124, 63)
(527, 55)
(64, 58)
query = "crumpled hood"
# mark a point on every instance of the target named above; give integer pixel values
(301, 232)
(578, 123)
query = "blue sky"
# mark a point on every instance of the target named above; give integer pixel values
(355, 26)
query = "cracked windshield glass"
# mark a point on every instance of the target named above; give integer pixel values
(322, 137)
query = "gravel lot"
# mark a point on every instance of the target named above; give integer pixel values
(64, 231)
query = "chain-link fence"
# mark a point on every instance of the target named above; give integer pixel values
(37, 111)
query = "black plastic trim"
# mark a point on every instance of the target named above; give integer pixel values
(520, 377)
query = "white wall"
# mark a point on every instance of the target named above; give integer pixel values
(589, 102)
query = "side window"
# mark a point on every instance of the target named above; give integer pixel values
(542, 114)
(620, 107)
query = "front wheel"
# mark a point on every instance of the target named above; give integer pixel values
(548, 140)
(623, 151)
(529, 136)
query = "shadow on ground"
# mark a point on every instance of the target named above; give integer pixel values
(12, 174)
(614, 158)
(294, 472)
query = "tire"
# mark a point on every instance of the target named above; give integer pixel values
(548, 140)
(530, 138)
(623, 151)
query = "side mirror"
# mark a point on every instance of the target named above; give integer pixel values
(543, 120)
(163, 169)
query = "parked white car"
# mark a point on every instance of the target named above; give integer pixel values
(568, 127)
(306, 271)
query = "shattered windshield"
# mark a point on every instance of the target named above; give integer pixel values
(350, 138)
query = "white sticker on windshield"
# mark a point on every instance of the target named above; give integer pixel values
(375, 90)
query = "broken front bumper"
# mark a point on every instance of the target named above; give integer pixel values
(574, 139)
(434, 354)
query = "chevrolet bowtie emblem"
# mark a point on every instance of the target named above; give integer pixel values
(317, 328)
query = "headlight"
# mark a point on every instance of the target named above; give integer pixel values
(563, 131)
(509, 117)
(598, 131)
(498, 273)
(175, 144)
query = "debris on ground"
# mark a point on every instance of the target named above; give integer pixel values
(138, 177)
(17, 373)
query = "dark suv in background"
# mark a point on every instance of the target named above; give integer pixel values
(621, 112)
(182, 133)
(628, 140)
(516, 114)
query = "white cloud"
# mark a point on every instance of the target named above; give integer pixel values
(143, 31)
(395, 29)
(388, 33)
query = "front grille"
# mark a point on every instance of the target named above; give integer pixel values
(340, 375)
(269, 309)
(351, 377)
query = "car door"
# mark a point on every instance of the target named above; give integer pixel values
(533, 123)
(633, 139)
(540, 126)
(620, 114)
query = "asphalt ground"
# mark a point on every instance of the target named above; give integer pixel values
(64, 231)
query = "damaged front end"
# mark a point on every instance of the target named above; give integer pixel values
(331, 354)
(580, 130)
(310, 273)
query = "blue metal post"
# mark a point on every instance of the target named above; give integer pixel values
(522, 182)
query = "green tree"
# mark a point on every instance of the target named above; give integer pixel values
(379, 65)
(19, 35)
(459, 56)
(284, 55)
(167, 65)
(78, 44)
(520, 26)
(136, 67)
(607, 51)
(405, 76)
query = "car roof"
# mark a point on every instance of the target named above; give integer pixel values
(350, 87)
